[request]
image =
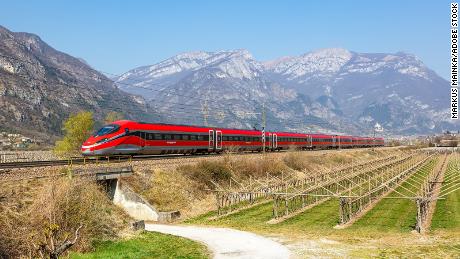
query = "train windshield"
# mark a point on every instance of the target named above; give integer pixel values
(106, 130)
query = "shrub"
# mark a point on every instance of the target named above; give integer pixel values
(296, 160)
(207, 172)
(77, 129)
(60, 208)
(257, 166)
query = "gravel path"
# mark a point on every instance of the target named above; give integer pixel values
(227, 243)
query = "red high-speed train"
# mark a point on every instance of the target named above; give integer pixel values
(135, 138)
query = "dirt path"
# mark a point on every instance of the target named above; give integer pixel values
(227, 243)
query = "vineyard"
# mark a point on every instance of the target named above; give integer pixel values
(403, 191)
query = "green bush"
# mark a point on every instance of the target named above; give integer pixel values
(77, 129)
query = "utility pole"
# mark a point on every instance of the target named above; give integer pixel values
(205, 110)
(264, 125)
(264, 122)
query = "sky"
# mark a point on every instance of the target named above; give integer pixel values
(116, 36)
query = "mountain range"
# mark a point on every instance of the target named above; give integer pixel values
(332, 90)
(40, 87)
(329, 90)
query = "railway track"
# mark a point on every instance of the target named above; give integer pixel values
(80, 161)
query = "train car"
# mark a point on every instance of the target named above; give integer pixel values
(134, 138)
(344, 141)
(320, 141)
(288, 140)
(379, 142)
(128, 137)
(235, 139)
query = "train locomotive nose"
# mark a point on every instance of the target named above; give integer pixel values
(86, 151)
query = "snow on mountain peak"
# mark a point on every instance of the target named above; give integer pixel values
(234, 63)
(323, 61)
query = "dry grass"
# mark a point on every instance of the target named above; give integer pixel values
(29, 211)
(186, 187)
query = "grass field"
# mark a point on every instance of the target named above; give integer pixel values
(387, 215)
(385, 231)
(395, 214)
(147, 245)
(447, 213)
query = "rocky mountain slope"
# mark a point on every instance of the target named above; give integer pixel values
(333, 90)
(232, 88)
(40, 87)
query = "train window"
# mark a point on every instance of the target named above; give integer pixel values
(192, 137)
(107, 130)
(224, 138)
(157, 136)
(200, 137)
(149, 136)
(167, 137)
(185, 137)
(177, 137)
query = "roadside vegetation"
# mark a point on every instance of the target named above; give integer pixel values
(52, 216)
(147, 245)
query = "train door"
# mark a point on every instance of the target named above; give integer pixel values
(270, 141)
(333, 141)
(275, 141)
(338, 141)
(309, 141)
(218, 140)
(211, 142)
(142, 138)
